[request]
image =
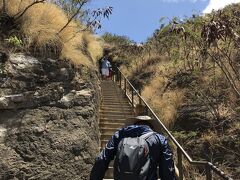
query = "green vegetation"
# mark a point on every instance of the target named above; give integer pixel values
(14, 40)
(113, 39)
(192, 67)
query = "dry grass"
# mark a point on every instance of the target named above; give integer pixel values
(210, 137)
(94, 45)
(40, 26)
(165, 104)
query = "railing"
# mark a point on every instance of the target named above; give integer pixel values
(131, 92)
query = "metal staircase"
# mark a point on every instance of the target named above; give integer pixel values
(119, 98)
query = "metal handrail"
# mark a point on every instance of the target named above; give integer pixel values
(209, 167)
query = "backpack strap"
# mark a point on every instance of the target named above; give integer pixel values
(147, 135)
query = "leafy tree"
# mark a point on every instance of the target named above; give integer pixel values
(116, 39)
(76, 11)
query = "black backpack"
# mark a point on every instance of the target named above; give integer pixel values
(132, 160)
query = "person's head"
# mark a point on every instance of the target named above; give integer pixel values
(140, 120)
(106, 52)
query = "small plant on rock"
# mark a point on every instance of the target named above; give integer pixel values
(15, 41)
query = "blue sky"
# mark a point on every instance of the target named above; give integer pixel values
(138, 19)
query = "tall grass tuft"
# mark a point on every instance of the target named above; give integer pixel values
(39, 29)
(167, 101)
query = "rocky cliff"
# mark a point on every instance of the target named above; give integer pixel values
(48, 118)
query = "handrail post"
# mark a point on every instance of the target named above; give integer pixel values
(120, 80)
(146, 110)
(208, 172)
(125, 86)
(180, 163)
(139, 101)
(132, 98)
(114, 77)
(139, 98)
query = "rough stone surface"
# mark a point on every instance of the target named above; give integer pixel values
(48, 119)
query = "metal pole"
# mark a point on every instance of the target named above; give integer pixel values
(208, 172)
(132, 98)
(180, 163)
(146, 110)
(139, 99)
(125, 86)
(113, 77)
(120, 80)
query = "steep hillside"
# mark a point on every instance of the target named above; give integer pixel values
(193, 68)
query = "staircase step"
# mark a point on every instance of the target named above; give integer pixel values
(115, 111)
(119, 106)
(105, 108)
(106, 136)
(108, 130)
(116, 103)
(103, 143)
(110, 90)
(114, 96)
(109, 173)
(110, 115)
(113, 118)
(111, 125)
(117, 120)
(106, 120)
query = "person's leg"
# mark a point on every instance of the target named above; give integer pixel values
(105, 73)
(102, 70)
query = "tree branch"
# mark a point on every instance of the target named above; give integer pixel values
(74, 15)
(25, 10)
(229, 78)
(4, 7)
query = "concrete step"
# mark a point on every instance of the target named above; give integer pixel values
(117, 106)
(109, 120)
(116, 103)
(115, 111)
(113, 108)
(106, 136)
(108, 130)
(111, 92)
(109, 173)
(111, 125)
(114, 118)
(124, 115)
(103, 143)
(113, 96)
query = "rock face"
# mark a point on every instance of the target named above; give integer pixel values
(48, 119)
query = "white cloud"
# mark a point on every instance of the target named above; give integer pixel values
(218, 4)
